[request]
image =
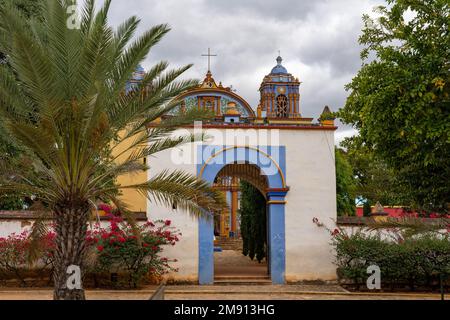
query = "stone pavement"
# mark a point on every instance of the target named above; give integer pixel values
(222, 292)
(234, 263)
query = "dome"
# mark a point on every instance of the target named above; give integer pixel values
(278, 68)
(232, 109)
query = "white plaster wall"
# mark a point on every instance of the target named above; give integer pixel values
(310, 171)
(186, 250)
(8, 227)
(310, 175)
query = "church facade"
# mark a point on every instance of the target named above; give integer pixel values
(287, 157)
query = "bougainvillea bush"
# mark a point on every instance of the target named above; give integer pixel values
(119, 248)
(116, 249)
(13, 255)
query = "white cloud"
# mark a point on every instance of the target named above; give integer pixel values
(317, 39)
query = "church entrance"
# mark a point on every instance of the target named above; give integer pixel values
(240, 231)
(221, 236)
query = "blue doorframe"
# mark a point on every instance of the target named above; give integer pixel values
(271, 161)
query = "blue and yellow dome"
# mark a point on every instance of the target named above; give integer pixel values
(279, 68)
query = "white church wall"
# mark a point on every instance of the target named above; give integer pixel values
(186, 250)
(310, 174)
(17, 226)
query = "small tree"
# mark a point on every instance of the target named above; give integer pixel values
(367, 209)
(253, 221)
(345, 186)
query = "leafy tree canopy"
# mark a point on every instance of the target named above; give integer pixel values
(374, 179)
(399, 100)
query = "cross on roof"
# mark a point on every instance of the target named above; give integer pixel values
(209, 55)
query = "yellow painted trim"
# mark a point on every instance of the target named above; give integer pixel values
(276, 202)
(248, 147)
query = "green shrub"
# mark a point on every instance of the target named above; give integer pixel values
(11, 202)
(416, 261)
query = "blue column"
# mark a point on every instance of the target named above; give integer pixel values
(276, 230)
(206, 250)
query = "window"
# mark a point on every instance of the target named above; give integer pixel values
(282, 106)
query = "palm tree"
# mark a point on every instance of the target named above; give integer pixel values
(62, 98)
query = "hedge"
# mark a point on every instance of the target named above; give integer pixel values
(414, 262)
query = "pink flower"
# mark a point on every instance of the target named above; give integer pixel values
(335, 232)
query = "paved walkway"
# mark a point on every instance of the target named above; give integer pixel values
(234, 263)
(252, 292)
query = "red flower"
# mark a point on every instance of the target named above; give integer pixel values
(100, 248)
(122, 239)
(167, 222)
(335, 232)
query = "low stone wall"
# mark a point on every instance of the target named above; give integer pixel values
(18, 221)
(365, 221)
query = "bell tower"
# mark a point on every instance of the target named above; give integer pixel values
(279, 96)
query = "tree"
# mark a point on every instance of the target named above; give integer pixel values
(63, 99)
(8, 147)
(345, 185)
(367, 209)
(253, 221)
(399, 101)
(374, 179)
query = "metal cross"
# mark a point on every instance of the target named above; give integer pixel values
(209, 55)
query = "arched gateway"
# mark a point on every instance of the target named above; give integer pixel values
(270, 160)
(288, 158)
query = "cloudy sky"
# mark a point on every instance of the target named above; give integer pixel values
(317, 40)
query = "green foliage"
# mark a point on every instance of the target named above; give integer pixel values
(415, 261)
(63, 99)
(11, 202)
(30, 8)
(253, 221)
(345, 185)
(399, 101)
(374, 179)
(9, 149)
(69, 122)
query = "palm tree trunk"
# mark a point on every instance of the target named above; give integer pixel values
(71, 227)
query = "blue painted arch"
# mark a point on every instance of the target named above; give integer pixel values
(271, 160)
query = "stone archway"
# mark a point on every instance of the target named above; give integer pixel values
(271, 162)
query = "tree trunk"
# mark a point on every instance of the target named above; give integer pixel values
(71, 227)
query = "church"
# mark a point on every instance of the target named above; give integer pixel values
(288, 157)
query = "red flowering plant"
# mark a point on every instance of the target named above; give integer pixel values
(13, 255)
(137, 252)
